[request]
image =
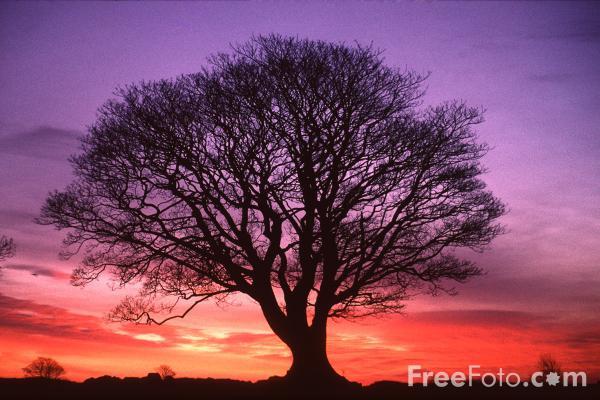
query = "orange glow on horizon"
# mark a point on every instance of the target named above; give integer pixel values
(366, 351)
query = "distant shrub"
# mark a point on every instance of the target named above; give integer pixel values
(43, 367)
(165, 372)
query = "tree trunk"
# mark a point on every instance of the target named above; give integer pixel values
(310, 370)
(310, 365)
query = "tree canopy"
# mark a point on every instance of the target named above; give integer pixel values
(7, 247)
(165, 371)
(43, 367)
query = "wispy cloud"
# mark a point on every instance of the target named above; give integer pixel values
(557, 77)
(28, 317)
(149, 337)
(41, 143)
(582, 30)
(37, 270)
(481, 317)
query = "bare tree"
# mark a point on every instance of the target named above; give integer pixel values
(43, 367)
(165, 372)
(303, 174)
(547, 364)
(7, 247)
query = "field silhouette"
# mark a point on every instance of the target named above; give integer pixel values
(153, 387)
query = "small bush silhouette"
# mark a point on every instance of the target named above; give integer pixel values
(547, 364)
(43, 367)
(165, 372)
(7, 248)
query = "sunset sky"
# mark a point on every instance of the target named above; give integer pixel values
(533, 67)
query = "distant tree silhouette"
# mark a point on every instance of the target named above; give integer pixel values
(7, 247)
(165, 372)
(547, 363)
(43, 367)
(303, 174)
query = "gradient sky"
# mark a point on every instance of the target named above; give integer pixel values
(533, 66)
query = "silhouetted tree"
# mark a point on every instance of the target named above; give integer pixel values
(547, 364)
(165, 372)
(43, 367)
(7, 247)
(303, 174)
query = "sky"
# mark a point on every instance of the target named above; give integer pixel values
(532, 66)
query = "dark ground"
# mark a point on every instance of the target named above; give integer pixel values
(152, 387)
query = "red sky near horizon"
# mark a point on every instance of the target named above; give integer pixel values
(537, 78)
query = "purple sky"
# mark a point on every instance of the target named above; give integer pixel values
(533, 66)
